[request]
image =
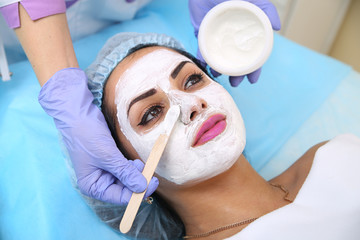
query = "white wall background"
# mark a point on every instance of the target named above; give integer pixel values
(312, 23)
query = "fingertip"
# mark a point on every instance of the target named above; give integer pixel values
(276, 25)
(253, 80)
(274, 19)
(235, 81)
(153, 185)
(254, 76)
(199, 56)
(214, 73)
(271, 12)
(140, 186)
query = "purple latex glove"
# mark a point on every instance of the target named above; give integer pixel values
(198, 10)
(102, 171)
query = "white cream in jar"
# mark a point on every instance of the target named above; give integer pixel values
(235, 38)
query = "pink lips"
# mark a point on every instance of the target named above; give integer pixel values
(211, 128)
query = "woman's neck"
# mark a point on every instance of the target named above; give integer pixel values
(235, 195)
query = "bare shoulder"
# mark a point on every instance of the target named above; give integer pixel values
(294, 177)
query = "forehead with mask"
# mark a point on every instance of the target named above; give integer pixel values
(209, 135)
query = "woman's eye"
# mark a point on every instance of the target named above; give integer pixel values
(151, 114)
(193, 79)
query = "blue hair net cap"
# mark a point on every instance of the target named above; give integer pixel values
(114, 51)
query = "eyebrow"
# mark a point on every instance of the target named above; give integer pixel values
(141, 97)
(178, 68)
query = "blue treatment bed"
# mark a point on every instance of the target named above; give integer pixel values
(302, 98)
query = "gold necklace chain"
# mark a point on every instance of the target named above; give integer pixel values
(237, 224)
(233, 225)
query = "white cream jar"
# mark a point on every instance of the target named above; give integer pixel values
(235, 38)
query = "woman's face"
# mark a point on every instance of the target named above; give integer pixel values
(209, 135)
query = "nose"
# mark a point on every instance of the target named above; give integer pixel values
(190, 105)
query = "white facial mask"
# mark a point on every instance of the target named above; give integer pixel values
(181, 163)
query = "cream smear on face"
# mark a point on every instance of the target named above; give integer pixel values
(237, 38)
(181, 163)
